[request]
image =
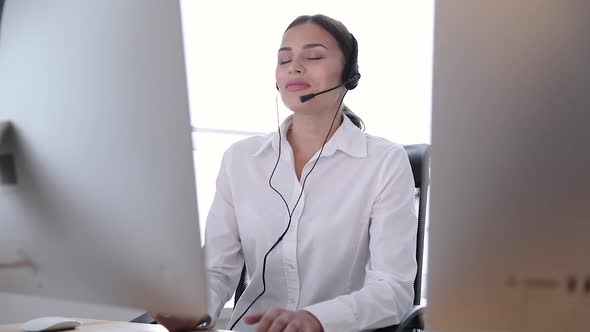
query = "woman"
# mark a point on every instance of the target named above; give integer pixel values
(321, 213)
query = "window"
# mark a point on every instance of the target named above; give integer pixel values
(230, 49)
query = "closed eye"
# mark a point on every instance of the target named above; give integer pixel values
(311, 58)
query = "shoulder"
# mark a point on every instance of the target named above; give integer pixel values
(392, 162)
(248, 147)
(381, 148)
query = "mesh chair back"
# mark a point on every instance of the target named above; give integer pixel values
(419, 155)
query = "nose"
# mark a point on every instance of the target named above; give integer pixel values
(295, 67)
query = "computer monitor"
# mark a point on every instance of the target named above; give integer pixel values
(509, 232)
(98, 201)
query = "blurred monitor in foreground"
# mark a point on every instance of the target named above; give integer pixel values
(97, 193)
(510, 199)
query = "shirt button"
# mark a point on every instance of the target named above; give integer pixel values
(291, 266)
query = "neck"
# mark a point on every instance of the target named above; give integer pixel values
(308, 131)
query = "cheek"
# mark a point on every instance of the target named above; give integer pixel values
(331, 75)
(336, 74)
(280, 76)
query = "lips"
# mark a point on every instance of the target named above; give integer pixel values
(297, 85)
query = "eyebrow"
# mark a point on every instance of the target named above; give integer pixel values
(305, 47)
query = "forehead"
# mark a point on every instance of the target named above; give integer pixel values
(308, 33)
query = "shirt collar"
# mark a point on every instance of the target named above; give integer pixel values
(348, 138)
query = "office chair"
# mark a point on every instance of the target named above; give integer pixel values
(419, 155)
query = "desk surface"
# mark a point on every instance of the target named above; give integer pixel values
(90, 325)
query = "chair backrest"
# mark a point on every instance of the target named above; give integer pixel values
(419, 156)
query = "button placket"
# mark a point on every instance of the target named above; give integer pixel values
(290, 257)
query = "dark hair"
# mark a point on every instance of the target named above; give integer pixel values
(348, 47)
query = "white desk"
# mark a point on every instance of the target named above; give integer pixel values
(90, 325)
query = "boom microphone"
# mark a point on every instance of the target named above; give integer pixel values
(310, 96)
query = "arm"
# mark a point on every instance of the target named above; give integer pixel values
(223, 255)
(223, 250)
(388, 290)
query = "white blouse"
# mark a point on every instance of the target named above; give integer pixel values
(349, 255)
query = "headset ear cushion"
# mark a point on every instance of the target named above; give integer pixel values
(354, 80)
(277, 86)
(352, 69)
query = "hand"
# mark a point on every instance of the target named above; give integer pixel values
(283, 320)
(177, 324)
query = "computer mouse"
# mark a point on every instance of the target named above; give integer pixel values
(51, 323)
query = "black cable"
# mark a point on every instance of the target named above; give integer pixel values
(290, 212)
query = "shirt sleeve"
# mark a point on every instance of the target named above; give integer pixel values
(387, 294)
(223, 250)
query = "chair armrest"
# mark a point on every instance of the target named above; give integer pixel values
(414, 316)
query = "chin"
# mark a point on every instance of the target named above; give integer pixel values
(294, 103)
